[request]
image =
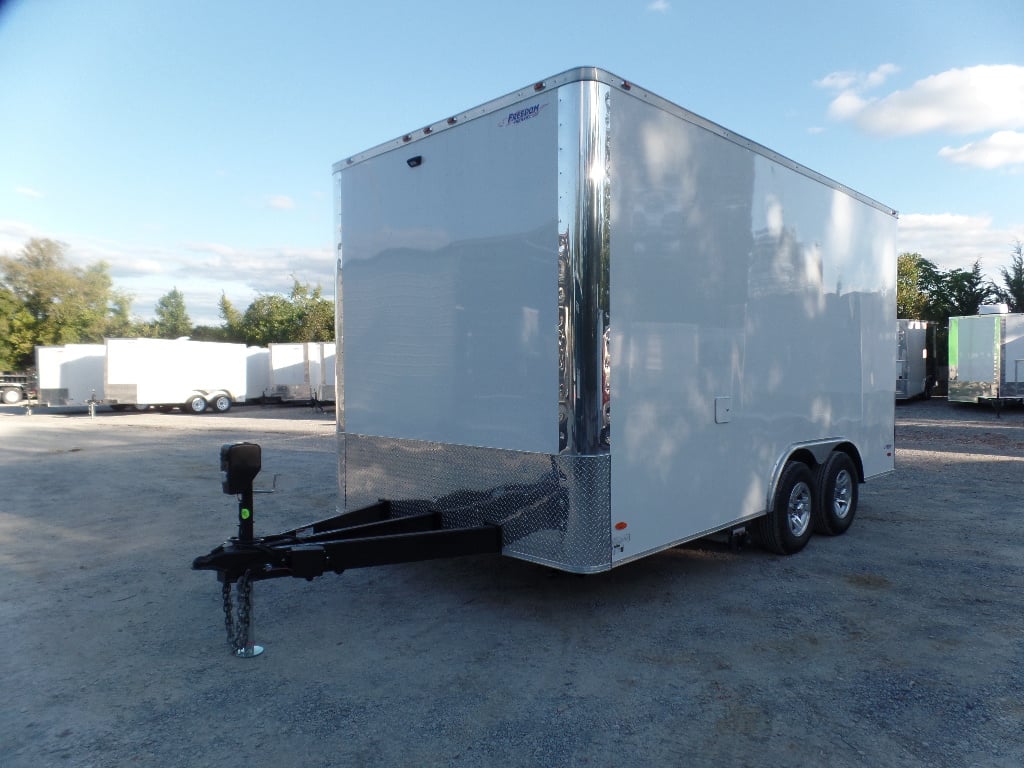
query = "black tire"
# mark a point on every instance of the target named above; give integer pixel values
(119, 407)
(11, 396)
(787, 527)
(195, 404)
(220, 403)
(836, 485)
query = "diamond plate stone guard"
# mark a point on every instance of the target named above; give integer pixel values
(554, 510)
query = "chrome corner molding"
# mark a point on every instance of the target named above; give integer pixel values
(339, 315)
(584, 203)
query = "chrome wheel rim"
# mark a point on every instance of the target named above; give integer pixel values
(798, 510)
(842, 496)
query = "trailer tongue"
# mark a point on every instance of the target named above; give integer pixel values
(384, 533)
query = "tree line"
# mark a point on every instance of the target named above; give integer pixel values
(45, 300)
(924, 292)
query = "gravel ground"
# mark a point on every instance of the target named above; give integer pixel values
(898, 644)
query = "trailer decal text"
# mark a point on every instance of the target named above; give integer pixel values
(521, 116)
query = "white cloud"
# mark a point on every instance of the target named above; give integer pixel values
(28, 192)
(956, 241)
(1003, 148)
(851, 85)
(220, 250)
(975, 100)
(880, 75)
(846, 105)
(281, 202)
(14, 235)
(659, 6)
(838, 81)
(958, 101)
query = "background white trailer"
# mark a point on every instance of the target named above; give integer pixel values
(193, 375)
(298, 371)
(986, 357)
(71, 374)
(608, 325)
(257, 373)
(913, 378)
(328, 372)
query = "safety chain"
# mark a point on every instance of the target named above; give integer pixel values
(238, 631)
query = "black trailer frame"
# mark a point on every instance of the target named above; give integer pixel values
(380, 534)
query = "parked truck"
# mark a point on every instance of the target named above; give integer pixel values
(579, 325)
(986, 357)
(16, 387)
(195, 376)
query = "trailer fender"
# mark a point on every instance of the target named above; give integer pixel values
(813, 454)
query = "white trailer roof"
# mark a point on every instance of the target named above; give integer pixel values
(596, 74)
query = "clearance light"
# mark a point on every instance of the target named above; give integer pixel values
(626, 85)
(620, 526)
(451, 121)
(539, 86)
(407, 137)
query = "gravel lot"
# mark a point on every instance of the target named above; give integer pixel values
(898, 644)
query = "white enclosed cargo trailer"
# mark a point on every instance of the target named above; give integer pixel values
(913, 377)
(986, 357)
(257, 373)
(328, 351)
(609, 326)
(578, 325)
(296, 370)
(71, 374)
(193, 375)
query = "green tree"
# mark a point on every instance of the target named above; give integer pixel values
(16, 344)
(172, 320)
(268, 319)
(965, 291)
(57, 303)
(1012, 289)
(314, 315)
(304, 315)
(234, 323)
(911, 300)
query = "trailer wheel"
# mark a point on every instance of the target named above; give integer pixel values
(11, 396)
(837, 495)
(786, 528)
(195, 404)
(221, 403)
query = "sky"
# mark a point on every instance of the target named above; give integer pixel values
(189, 144)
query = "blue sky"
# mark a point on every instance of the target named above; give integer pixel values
(189, 144)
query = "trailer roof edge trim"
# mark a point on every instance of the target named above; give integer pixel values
(595, 74)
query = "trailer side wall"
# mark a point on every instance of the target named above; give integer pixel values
(735, 280)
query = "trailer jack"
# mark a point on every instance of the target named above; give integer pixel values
(380, 534)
